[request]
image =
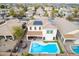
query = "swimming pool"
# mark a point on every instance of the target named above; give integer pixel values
(75, 49)
(44, 48)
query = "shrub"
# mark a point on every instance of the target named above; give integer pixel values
(27, 54)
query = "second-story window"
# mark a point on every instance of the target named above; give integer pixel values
(35, 28)
(30, 28)
(49, 31)
(39, 28)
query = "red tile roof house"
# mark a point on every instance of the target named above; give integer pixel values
(68, 30)
(68, 33)
(6, 31)
(41, 29)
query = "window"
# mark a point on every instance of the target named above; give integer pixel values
(35, 28)
(39, 28)
(49, 31)
(30, 28)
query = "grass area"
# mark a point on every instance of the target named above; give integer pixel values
(26, 54)
(49, 41)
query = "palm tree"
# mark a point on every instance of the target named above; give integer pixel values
(18, 32)
(53, 12)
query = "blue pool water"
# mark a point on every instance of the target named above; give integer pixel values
(75, 49)
(37, 48)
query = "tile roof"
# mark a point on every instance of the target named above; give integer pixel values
(65, 26)
(69, 36)
(45, 23)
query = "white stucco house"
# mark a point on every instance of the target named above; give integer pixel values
(40, 11)
(65, 12)
(40, 29)
(29, 13)
(4, 11)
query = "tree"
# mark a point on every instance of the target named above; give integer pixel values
(32, 17)
(12, 12)
(21, 12)
(36, 6)
(70, 18)
(21, 6)
(18, 32)
(53, 12)
(76, 10)
(46, 14)
(27, 54)
(2, 6)
(25, 8)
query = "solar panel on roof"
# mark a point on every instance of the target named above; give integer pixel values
(37, 23)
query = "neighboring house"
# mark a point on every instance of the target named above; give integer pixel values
(67, 30)
(40, 29)
(6, 29)
(65, 12)
(4, 12)
(29, 13)
(17, 9)
(48, 8)
(40, 11)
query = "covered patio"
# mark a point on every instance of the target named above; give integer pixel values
(34, 35)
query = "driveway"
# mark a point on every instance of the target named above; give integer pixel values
(6, 45)
(76, 23)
